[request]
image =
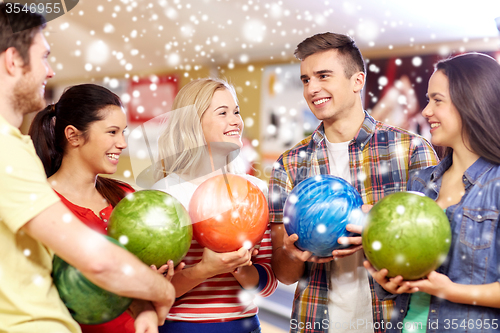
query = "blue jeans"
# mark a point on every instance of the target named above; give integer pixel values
(239, 325)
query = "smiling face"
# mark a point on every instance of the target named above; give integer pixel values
(328, 92)
(441, 113)
(29, 91)
(105, 141)
(222, 122)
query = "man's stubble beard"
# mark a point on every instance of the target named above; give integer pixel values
(26, 96)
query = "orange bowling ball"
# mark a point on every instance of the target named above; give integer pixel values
(228, 212)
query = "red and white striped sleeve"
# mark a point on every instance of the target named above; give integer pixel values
(262, 261)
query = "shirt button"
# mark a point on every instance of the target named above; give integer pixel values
(105, 220)
(433, 311)
(402, 310)
(102, 214)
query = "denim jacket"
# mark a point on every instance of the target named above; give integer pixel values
(474, 256)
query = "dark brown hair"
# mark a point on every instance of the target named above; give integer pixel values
(345, 45)
(78, 106)
(28, 24)
(475, 92)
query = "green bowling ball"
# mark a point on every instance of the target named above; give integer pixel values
(408, 234)
(87, 303)
(153, 225)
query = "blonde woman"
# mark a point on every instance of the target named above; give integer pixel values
(202, 137)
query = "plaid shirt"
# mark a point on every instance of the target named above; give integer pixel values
(380, 159)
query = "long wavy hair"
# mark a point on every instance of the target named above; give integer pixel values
(475, 92)
(181, 145)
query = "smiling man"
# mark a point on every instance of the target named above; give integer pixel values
(34, 223)
(335, 294)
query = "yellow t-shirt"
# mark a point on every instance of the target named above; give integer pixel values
(29, 301)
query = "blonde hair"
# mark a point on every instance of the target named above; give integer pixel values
(181, 145)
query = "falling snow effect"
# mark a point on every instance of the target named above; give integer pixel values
(123, 240)
(37, 280)
(127, 270)
(416, 61)
(67, 218)
(246, 296)
(204, 33)
(376, 245)
(176, 47)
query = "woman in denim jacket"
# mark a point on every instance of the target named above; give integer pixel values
(463, 295)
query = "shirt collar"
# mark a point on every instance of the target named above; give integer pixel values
(471, 175)
(476, 170)
(362, 137)
(441, 168)
(7, 129)
(366, 131)
(319, 134)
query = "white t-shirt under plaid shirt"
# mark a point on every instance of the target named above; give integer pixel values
(349, 297)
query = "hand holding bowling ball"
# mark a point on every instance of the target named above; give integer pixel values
(318, 210)
(408, 234)
(168, 270)
(215, 263)
(228, 213)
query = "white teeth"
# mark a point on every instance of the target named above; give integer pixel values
(113, 156)
(434, 125)
(321, 101)
(232, 133)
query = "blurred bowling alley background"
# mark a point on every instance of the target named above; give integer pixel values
(146, 50)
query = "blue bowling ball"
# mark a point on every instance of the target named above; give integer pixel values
(318, 210)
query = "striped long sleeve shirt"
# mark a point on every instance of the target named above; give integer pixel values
(219, 299)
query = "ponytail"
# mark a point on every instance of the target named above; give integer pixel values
(79, 106)
(112, 190)
(43, 135)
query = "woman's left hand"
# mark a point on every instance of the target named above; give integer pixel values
(168, 269)
(436, 284)
(394, 285)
